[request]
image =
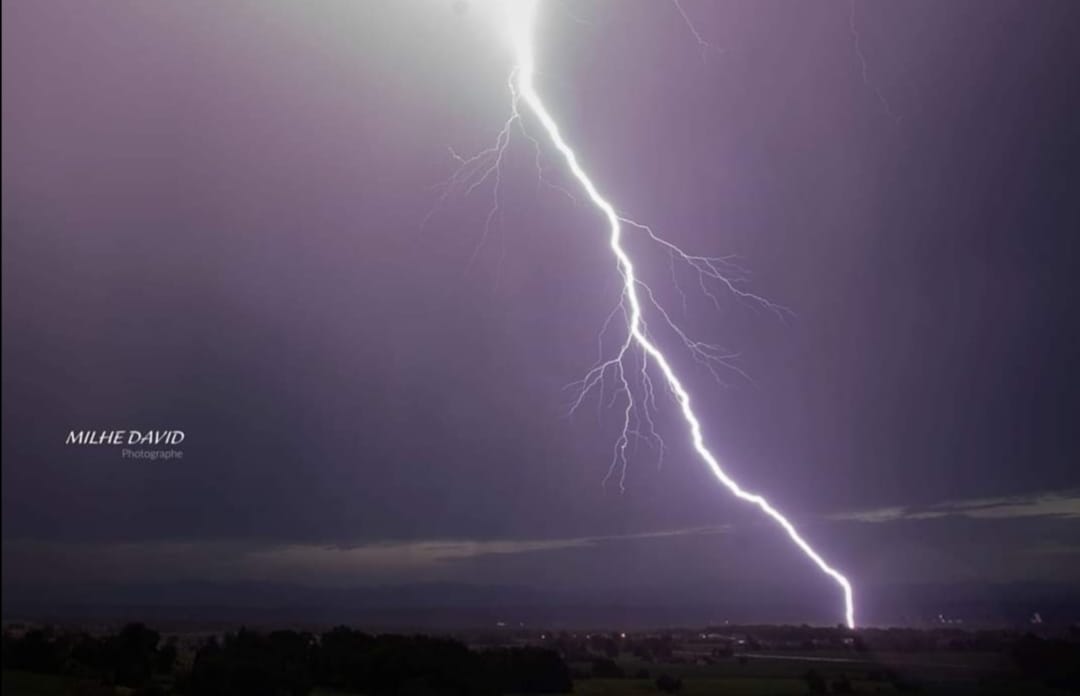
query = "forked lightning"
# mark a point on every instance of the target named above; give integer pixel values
(637, 299)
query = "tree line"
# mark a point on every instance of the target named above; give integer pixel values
(289, 663)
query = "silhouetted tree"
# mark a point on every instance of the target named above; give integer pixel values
(34, 652)
(815, 682)
(132, 654)
(527, 671)
(251, 664)
(603, 668)
(668, 684)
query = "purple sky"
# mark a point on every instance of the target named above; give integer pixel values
(213, 221)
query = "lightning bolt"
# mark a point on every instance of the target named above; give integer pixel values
(864, 66)
(636, 296)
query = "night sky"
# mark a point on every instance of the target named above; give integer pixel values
(214, 221)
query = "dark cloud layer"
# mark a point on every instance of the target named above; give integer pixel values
(213, 222)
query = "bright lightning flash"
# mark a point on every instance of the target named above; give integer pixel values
(520, 15)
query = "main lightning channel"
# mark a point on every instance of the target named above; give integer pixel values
(522, 34)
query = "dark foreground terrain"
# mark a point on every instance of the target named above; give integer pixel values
(138, 661)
